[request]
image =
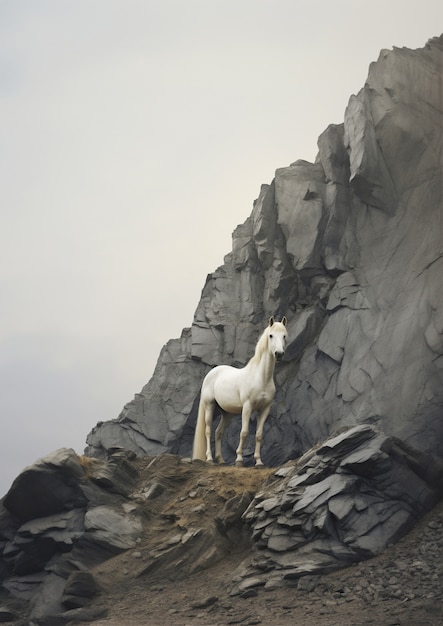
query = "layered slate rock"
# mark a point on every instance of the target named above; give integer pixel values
(61, 516)
(349, 248)
(343, 502)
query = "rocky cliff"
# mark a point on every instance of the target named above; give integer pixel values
(350, 249)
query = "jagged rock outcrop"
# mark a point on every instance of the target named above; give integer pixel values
(349, 248)
(61, 516)
(340, 504)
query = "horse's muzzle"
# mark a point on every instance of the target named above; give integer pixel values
(279, 356)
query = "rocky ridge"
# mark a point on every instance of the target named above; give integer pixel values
(75, 530)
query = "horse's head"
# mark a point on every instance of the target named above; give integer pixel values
(277, 335)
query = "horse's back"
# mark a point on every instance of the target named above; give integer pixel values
(215, 373)
(223, 385)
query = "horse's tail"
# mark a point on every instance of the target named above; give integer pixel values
(199, 447)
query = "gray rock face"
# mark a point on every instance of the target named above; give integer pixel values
(349, 248)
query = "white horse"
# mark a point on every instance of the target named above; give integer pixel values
(240, 391)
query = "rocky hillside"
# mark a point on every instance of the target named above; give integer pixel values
(83, 539)
(349, 248)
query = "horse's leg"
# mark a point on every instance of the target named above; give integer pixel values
(209, 413)
(219, 432)
(245, 418)
(261, 419)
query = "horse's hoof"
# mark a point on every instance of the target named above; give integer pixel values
(210, 462)
(259, 466)
(239, 464)
(220, 462)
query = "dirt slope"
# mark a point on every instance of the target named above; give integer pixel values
(180, 571)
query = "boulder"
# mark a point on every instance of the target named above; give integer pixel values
(115, 530)
(47, 601)
(49, 486)
(79, 589)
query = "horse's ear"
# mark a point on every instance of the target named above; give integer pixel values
(284, 321)
(271, 320)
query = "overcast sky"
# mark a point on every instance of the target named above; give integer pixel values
(134, 137)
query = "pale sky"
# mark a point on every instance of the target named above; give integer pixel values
(134, 137)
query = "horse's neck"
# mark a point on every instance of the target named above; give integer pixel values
(262, 365)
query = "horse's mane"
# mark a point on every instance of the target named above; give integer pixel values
(261, 345)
